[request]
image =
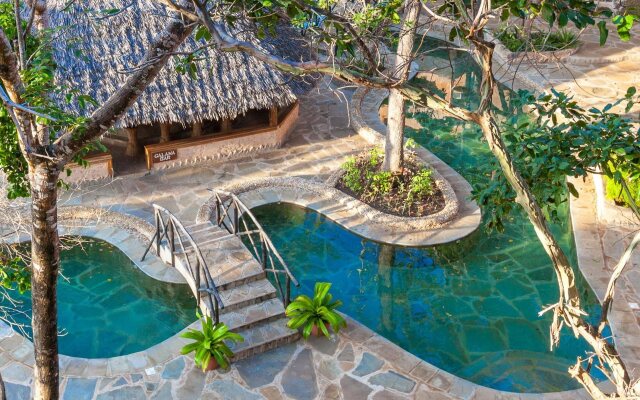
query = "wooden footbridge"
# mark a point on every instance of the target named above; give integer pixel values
(236, 274)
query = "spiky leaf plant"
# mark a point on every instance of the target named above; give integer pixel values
(319, 311)
(210, 342)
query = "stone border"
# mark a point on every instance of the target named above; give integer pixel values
(350, 213)
(436, 220)
(437, 378)
(531, 56)
(129, 234)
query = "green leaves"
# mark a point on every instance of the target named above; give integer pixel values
(623, 24)
(604, 32)
(307, 313)
(210, 342)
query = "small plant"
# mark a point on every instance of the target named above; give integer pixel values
(421, 185)
(313, 315)
(210, 344)
(381, 182)
(375, 157)
(351, 177)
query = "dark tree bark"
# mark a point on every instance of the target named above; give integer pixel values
(45, 259)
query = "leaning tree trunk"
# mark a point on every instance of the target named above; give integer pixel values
(567, 310)
(394, 141)
(45, 259)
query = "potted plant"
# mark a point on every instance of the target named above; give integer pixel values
(315, 315)
(210, 344)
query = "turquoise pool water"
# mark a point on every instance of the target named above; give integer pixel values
(470, 307)
(107, 307)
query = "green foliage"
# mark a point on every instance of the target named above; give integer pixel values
(352, 176)
(421, 185)
(564, 140)
(306, 313)
(14, 274)
(515, 40)
(381, 183)
(38, 78)
(616, 192)
(210, 342)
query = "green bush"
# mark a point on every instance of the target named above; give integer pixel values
(616, 193)
(381, 182)
(352, 177)
(421, 185)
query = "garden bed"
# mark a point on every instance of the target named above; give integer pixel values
(410, 193)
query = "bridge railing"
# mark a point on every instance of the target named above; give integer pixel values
(181, 243)
(233, 215)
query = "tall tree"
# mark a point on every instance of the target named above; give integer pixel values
(394, 140)
(48, 140)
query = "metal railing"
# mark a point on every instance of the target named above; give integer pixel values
(233, 215)
(170, 228)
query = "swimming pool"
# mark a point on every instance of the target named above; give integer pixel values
(470, 307)
(107, 307)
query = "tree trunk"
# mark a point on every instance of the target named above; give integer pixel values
(394, 142)
(3, 391)
(45, 259)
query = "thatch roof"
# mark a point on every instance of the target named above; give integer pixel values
(93, 53)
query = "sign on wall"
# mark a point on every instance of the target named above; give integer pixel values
(164, 156)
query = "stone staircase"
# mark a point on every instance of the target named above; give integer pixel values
(250, 303)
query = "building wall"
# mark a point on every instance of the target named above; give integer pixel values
(194, 150)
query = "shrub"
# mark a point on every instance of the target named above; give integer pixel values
(616, 193)
(381, 182)
(421, 185)
(352, 177)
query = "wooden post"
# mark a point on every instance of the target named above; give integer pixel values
(225, 125)
(132, 145)
(196, 129)
(273, 116)
(165, 133)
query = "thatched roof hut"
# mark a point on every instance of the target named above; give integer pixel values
(94, 51)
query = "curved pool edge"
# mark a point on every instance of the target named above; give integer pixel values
(141, 361)
(351, 213)
(129, 234)
(428, 374)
